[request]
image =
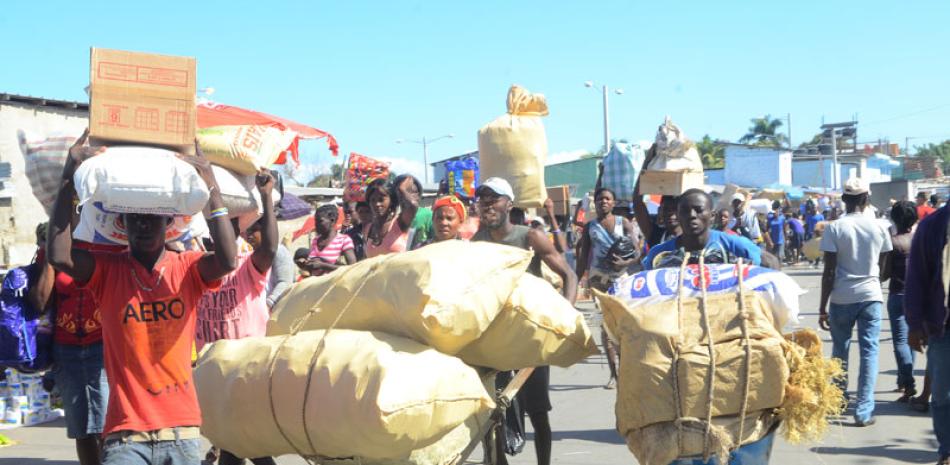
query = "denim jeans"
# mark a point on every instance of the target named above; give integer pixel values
(902, 352)
(180, 452)
(756, 453)
(938, 363)
(841, 319)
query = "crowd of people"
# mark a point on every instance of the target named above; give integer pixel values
(130, 319)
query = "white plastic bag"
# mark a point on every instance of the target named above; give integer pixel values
(131, 179)
(674, 151)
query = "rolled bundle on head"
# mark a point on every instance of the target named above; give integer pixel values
(335, 394)
(144, 180)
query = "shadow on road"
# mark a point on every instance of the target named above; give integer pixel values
(883, 451)
(572, 387)
(608, 436)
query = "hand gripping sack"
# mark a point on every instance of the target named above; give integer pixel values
(443, 295)
(536, 327)
(98, 226)
(244, 149)
(333, 394)
(43, 162)
(514, 147)
(145, 180)
(667, 390)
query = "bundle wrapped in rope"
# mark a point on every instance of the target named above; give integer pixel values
(705, 375)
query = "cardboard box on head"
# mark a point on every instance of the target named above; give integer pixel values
(142, 98)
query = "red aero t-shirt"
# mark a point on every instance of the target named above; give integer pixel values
(147, 337)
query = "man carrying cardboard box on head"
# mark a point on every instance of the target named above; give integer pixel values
(148, 299)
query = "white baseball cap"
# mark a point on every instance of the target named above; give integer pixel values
(856, 186)
(498, 186)
(738, 196)
(539, 220)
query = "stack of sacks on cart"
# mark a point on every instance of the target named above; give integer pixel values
(385, 361)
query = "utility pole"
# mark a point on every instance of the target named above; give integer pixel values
(789, 117)
(606, 124)
(835, 175)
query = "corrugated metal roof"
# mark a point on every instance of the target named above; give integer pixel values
(43, 102)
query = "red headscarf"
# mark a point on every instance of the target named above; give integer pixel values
(453, 202)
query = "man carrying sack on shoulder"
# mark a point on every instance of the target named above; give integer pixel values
(148, 297)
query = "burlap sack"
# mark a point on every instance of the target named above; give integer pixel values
(444, 295)
(536, 327)
(515, 147)
(367, 395)
(665, 374)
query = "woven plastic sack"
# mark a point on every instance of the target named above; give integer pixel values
(145, 180)
(661, 285)
(622, 168)
(43, 161)
(444, 295)
(244, 149)
(665, 376)
(361, 394)
(536, 327)
(360, 171)
(101, 227)
(514, 147)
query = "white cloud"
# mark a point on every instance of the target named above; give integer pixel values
(401, 165)
(561, 157)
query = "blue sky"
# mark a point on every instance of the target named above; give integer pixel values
(374, 72)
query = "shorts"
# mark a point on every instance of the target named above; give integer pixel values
(533, 395)
(80, 378)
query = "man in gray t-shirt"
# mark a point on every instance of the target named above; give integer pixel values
(854, 246)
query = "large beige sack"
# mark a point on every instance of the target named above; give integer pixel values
(653, 337)
(536, 327)
(368, 395)
(244, 149)
(444, 295)
(514, 147)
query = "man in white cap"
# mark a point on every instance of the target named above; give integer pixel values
(495, 201)
(854, 247)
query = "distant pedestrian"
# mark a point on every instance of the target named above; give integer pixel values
(904, 216)
(812, 218)
(776, 233)
(923, 206)
(796, 237)
(853, 249)
(925, 308)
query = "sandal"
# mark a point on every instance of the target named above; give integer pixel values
(907, 397)
(920, 405)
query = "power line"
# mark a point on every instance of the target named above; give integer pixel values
(908, 115)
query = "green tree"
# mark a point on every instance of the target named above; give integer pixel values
(713, 153)
(764, 132)
(939, 151)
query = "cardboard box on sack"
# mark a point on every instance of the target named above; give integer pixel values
(142, 98)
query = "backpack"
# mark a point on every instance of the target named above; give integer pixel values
(26, 335)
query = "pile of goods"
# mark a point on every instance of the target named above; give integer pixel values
(360, 172)
(133, 178)
(377, 362)
(23, 401)
(707, 368)
(676, 165)
(514, 147)
(462, 176)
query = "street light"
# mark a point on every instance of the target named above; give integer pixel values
(606, 91)
(425, 150)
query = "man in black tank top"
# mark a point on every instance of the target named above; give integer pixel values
(495, 197)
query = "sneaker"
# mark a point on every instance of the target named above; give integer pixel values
(868, 422)
(611, 384)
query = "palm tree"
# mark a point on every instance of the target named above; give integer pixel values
(712, 153)
(764, 132)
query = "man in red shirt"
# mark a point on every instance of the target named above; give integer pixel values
(923, 208)
(148, 298)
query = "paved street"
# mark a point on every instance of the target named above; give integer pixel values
(583, 419)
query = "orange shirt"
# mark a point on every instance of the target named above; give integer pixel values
(147, 338)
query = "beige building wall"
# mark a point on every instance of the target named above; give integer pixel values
(20, 212)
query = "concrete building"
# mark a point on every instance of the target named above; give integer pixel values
(751, 166)
(20, 212)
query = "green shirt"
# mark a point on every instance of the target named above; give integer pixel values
(422, 225)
